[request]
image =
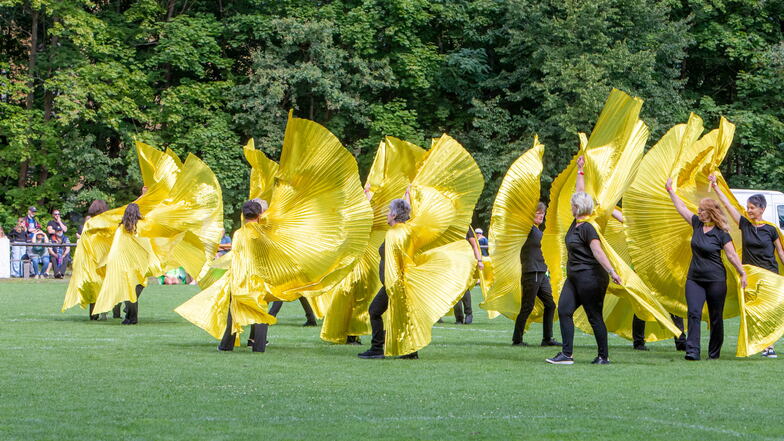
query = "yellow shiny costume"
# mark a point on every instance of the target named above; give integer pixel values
(345, 308)
(428, 262)
(181, 225)
(158, 170)
(316, 228)
(660, 240)
(612, 155)
(510, 223)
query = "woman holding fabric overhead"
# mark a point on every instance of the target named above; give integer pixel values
(760, 240)
(707, 279)
(587, 270)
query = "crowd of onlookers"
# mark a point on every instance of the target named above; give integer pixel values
(40, 250)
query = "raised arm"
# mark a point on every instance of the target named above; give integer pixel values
(617, 215)
(367, 191)
(601, 257)
(732, 256)
(477, 253)
(579, 185)
(734, 214)
(679, 205)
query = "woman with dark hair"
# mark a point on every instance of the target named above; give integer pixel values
(588, 273)
(131, 217)
(707, 278)
(760, 240)
(535, 283)
(399, 212)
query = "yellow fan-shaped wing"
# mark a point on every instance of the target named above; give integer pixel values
(422, 287)
(319, 219)
(762, 311)
(262, 172)
(510, 224)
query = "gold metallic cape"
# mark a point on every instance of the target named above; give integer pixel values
(659, 238)
(345, 308)
(612, 155)
(510, 223)
(180, 226)
(317, 225)
(157, 169)
(428, 262)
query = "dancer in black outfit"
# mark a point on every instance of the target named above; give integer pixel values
(464, 313)
(535, 283)
(707, 278)
(761, 242)
(251, 212)
(587, 270)
(399, 212)
(130, 218)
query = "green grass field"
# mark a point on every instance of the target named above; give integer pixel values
(66, 378)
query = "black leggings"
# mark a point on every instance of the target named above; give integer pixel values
(584, 288)
(132, 308)
(377, 308)
(535, 285)
(697, 293)
(463, 304)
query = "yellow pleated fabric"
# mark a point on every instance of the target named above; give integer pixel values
(311, 237)
(429, 264)
(159, 170)
(180, 226)
(510, 224)
(345, 308)
(612, 156)
(240, 289)
(658, 237)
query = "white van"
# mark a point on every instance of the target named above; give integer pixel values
(774, 212)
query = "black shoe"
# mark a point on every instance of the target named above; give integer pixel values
(371, 354)
(222, 349)
(679, 346)
(126, 322)
(353, 340)
(469, 319)
(519, 343)
(550, 342)
(600, 360)
(560, 358)
(440, 321)
(251, 342)
(411, 356)
(641, 348)
(310, 323)
(458, 322)
(691, 357)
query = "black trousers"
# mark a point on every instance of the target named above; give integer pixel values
(309, 314)
(59, 268)
(585, 288)
(697, 294)
(132, 308)
(377, 308)
(535, 285)
(638, 331)
(259, 344)
(464, 304)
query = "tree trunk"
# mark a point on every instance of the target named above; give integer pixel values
(25, 165)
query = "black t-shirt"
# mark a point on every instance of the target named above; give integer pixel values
(531, 253)
(706, 265)
(470, 233)
(55, 226)
(578, 246)
(758, 245)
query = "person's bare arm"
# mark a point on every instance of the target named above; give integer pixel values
(779, 249)
(679, 205)
(368, 195)
(601, 257)
(579, 185)
(732, 256)
(734, 214)
(617, 215)
(477, 253)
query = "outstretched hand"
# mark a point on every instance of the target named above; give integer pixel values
(617, 279)
(580, 162)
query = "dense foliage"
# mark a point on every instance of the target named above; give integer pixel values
(80, 79)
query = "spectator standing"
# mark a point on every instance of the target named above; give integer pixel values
(39, 255)
(31, 223)
(5, 247)
(59, 256)
(56, 224)
(18, 234)
(482, 241)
